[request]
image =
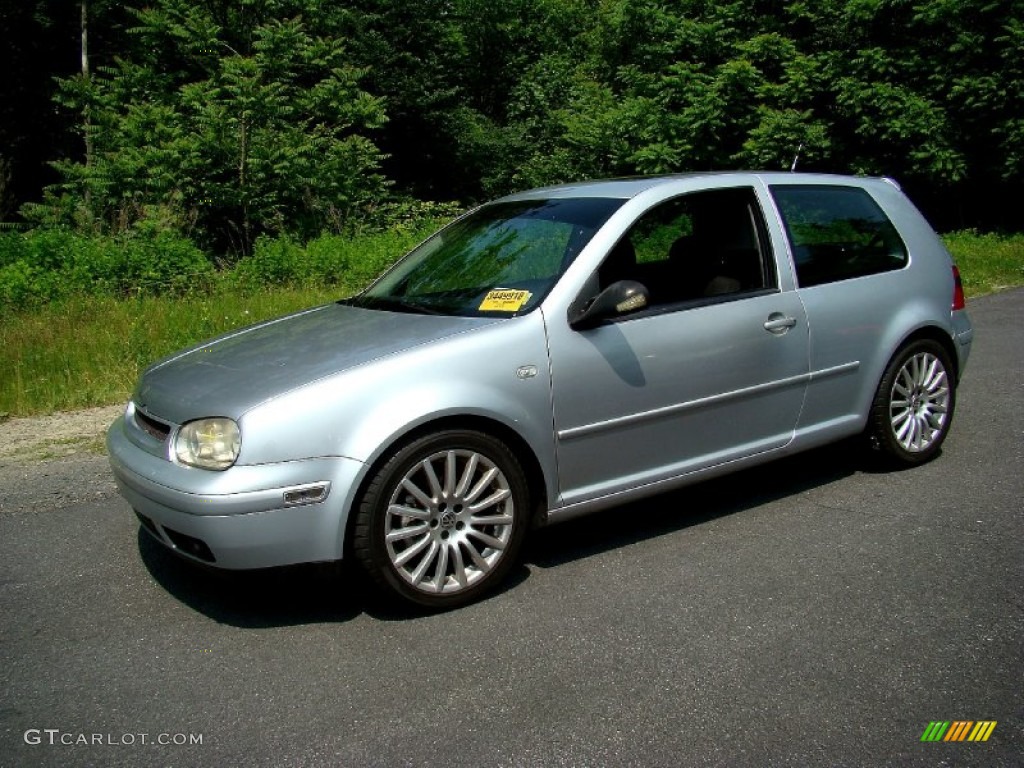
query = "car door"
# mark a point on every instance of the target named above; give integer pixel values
(713, 370)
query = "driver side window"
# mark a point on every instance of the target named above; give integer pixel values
(694, 247)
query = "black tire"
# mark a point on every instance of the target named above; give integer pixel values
(913, 406)
(442, 521)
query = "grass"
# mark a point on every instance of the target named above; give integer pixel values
(89, 350)
(84, 351)
(987, 262)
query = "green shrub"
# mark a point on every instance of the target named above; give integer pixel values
(274, 262)
(352, 262)
(361, 259)
(347, 262)
(21, 285)
(152, 259)
(45, 265)
(13, 248)
(163, 263)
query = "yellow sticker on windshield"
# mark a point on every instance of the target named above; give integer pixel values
(504, 300)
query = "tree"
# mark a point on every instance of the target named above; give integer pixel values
(228, 121)
(230, 118)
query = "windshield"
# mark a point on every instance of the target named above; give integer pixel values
(499, 260)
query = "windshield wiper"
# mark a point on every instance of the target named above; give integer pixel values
(393, 303)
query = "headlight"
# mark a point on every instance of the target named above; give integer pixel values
(208, 443)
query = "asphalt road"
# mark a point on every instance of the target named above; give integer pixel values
(811, 612)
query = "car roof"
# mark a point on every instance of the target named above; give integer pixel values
(626, 188)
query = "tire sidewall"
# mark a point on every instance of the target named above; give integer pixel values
(369, 541)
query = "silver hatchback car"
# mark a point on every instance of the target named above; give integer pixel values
(549, 354)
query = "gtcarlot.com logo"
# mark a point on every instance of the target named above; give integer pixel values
(958, 730)
(55, 737)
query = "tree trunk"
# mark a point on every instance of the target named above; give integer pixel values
(86, 119)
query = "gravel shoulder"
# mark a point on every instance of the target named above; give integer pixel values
(48, 462)
(56, 435)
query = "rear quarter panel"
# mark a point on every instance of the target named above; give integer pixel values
(857, 325)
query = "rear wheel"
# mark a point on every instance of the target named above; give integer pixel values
(442, 521)
(914, 404)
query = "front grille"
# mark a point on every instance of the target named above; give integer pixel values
(151, 426)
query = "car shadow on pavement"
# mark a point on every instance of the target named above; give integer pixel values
(277, 597)
(698, 503)
(257, 599)
(310, 594)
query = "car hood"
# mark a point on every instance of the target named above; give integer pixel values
(233, 373)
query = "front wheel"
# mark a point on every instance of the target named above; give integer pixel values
(913, 407)
(442, 521)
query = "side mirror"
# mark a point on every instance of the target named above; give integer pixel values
(617, 299)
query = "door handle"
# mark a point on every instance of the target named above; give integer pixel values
(779, 323)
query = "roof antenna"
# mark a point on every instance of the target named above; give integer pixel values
(796, 158)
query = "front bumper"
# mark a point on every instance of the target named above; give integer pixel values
(244, 517)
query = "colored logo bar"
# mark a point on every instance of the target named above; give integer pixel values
(958, 730)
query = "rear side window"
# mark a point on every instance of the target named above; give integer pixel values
(837, 233)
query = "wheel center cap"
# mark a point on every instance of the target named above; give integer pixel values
(448, 520)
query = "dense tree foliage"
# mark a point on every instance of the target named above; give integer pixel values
(229, 120)
(928, 92)
(225, 119)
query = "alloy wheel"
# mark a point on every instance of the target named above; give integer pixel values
(919, 402)
(449, 521)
